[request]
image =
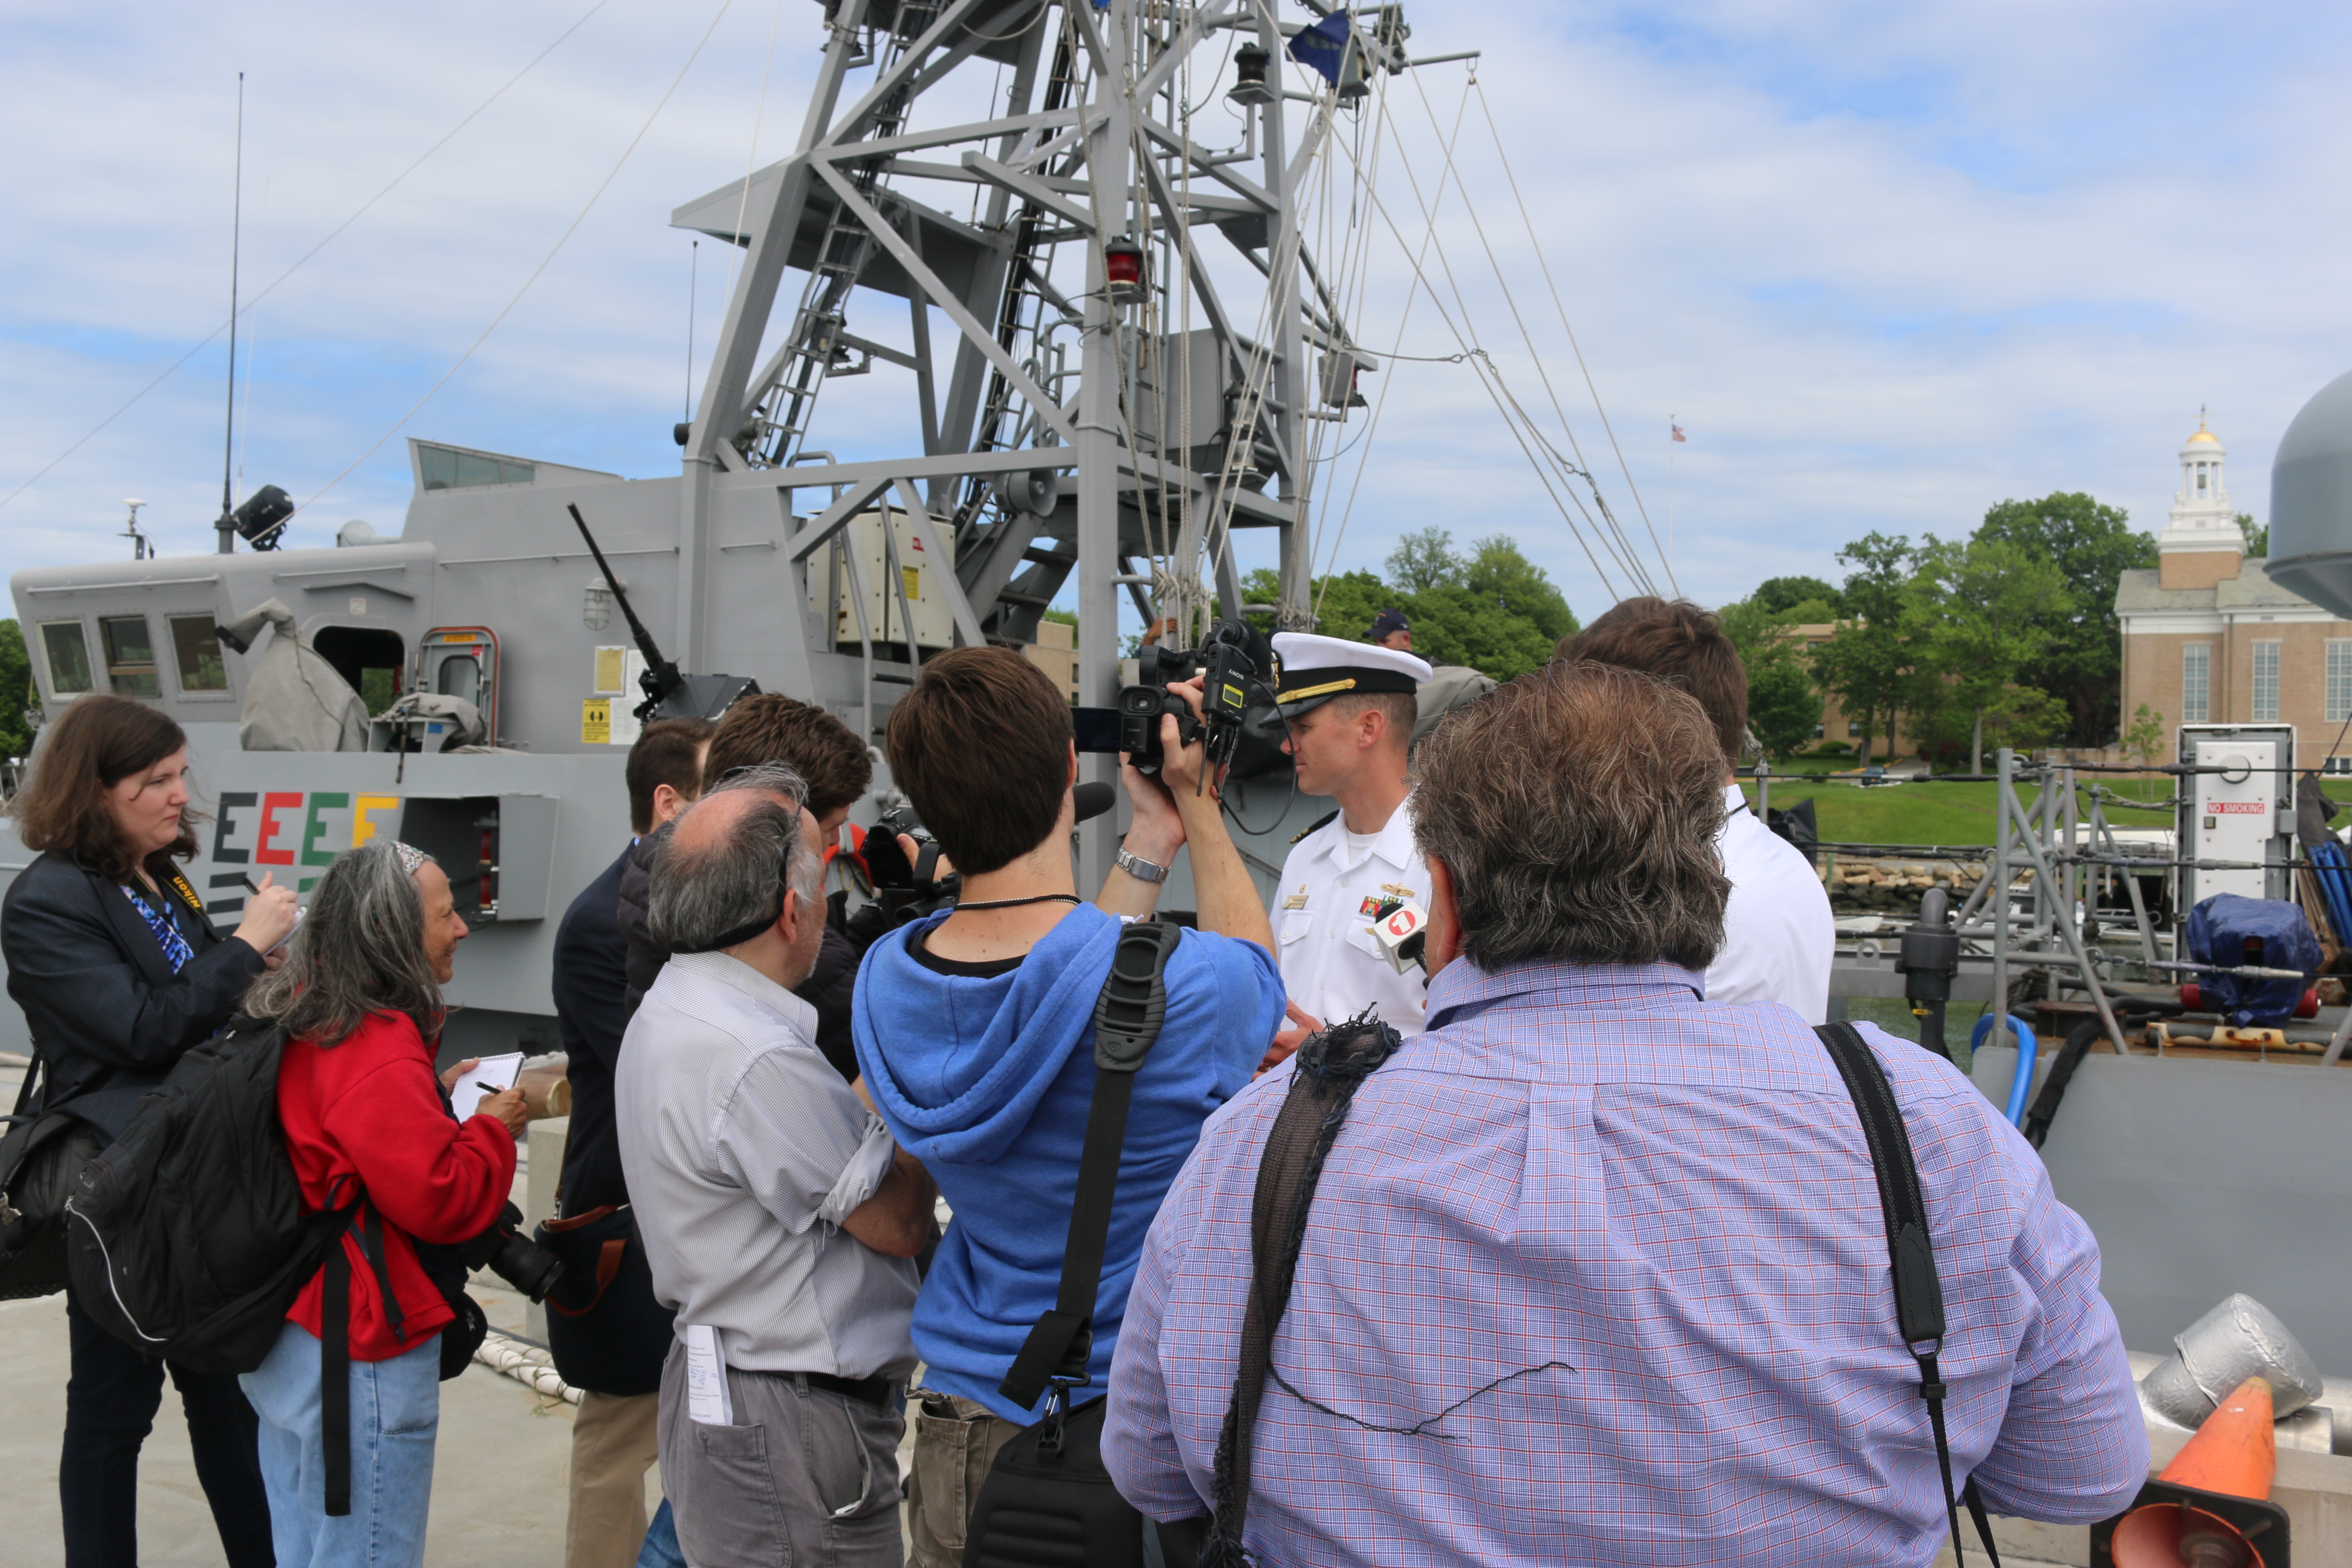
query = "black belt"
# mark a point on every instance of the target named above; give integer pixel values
(873, 1390)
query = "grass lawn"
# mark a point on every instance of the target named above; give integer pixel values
(1934, 812)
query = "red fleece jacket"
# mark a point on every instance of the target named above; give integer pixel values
(370, 1110)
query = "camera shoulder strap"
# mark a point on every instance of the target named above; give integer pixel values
(1918, 1295)
(1127, 1016)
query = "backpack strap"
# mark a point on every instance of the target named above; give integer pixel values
(1127, 1016)
(1918, 1295)
(335, 1344)
(1332, 1066)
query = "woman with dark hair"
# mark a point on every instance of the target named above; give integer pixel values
(360, 1000)
(119, 973)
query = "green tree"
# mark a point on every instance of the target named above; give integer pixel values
(18, 696)
(1783, 707)
(2258, 538)
(1778, 595)
(1500, 574)
(1423, 559)
(2092, 545)
(1868, 666)
(2144, 735)
(1983, 613)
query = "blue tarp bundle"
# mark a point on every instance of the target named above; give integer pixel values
(2269, 933)
(1323, 48)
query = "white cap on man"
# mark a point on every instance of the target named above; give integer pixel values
(1315, 670)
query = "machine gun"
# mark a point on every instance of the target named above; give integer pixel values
(670, 693)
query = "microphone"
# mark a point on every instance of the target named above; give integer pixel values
(1091, 800)
(1401, 931)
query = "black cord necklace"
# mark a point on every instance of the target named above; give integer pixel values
(1017, 903)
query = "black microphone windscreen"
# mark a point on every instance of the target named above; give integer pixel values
(1093, 799)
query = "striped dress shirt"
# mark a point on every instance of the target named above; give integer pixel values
(1596, 1273)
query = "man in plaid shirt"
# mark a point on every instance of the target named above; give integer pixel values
(1597, 1271)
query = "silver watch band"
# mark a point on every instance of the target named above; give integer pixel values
(1137, 867)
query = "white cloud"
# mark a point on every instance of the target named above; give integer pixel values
(1887, 267)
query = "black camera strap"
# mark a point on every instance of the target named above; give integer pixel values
(335, 1344)
(1127, 1016)
(1918, 1295)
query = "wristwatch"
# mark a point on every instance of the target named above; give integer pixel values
(1140, 868)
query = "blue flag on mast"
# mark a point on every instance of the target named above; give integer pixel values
(1323, 48)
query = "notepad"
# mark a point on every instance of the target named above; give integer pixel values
(484, 1079)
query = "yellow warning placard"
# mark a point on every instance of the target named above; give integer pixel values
(596, 722)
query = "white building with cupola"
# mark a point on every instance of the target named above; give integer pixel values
(2208, 639)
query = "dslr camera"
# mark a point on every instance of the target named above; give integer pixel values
(513, 1256)
(1232, 656)
(908, 890)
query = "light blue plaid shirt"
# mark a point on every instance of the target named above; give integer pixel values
(1590, 1166)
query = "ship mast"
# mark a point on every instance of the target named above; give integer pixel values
(1079, 427)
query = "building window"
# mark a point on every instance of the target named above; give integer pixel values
(201, 667)
(2196, 675)
(2267, 655)
(68, 651)
(2337, 765)
(2339, 679)
(129, 656)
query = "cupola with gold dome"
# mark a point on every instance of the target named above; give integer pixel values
(2202, 545)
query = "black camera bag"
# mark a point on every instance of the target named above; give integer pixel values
(1048, 1500)
(604, 1329)
(40, 1157)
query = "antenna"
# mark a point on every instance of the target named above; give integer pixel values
(236, 233)
(141, 548)
(693, 275)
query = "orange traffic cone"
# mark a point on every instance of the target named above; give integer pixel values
(2234, 1454)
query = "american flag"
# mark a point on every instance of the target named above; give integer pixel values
(1678, 433)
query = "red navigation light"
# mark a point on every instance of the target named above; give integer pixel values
(1123, 269)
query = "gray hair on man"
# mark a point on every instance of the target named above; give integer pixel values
(703, 897)
(359, 950)
(1577, 809)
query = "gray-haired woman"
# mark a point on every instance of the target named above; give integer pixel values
(360, 999)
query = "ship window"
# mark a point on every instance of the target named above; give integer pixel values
(68, 651)
(371, 659)
(201, 667)
(445, 468)
(461, 676)
(129, 656)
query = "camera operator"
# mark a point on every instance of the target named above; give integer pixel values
(360, 1000)
(974, 1029)
(1348, 711)
(1779, 937)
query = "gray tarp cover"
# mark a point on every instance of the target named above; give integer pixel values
(294, 701)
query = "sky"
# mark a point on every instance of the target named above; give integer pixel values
(1887, 267)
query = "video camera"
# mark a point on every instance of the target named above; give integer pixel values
(1232, 656)
(907, 889)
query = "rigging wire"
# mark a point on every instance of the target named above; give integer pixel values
(735, 251)
(263, 293)
(1632, 571)
(1504, 159)
(544, 262)
(1405, 320)
(1511, 303)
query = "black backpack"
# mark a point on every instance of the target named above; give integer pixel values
(185, 1238)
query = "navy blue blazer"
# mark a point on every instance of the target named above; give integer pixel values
(108, 1016)
(591, 978)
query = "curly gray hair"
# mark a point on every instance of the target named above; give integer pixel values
(1576, 808)
(359, 950)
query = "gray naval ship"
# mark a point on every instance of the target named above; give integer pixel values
(1146, 356)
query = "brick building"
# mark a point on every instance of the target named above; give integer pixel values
(2208, 639)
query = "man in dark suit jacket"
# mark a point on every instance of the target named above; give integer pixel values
(614, 1439)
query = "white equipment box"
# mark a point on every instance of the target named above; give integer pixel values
(2243, 813)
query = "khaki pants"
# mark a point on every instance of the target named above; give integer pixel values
(615, 1441)
(956, 1441)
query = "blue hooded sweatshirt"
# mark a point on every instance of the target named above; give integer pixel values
(987, 1082)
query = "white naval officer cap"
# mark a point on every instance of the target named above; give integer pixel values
(1315, 670)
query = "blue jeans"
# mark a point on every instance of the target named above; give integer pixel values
(661, 1549)
(396, 1412)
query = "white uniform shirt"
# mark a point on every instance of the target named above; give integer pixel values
(1331, 884)
(1777, 937)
